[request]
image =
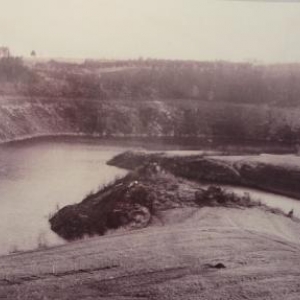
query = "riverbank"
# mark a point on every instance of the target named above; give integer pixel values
(279, 174)
(179, 145)
(165, 121)
(168, 238)
(157, 182)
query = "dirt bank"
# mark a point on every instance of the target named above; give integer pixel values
(272, 173)
(138, 198)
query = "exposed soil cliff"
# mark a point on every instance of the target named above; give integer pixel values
(195, 122)
(151, 98)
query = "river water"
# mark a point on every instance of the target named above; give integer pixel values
(285, 204)
(37, 177)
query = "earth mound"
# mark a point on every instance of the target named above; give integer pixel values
(139, 199)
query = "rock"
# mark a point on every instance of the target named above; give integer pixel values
(219, 266)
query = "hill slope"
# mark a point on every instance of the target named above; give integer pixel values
(211, 253)
(217, 100)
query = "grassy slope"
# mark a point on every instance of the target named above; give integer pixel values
(168, 261)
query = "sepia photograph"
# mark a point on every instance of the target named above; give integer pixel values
(150, 149)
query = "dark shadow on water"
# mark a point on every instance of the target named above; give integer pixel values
(224, 145)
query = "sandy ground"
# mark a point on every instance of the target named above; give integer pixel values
(172, 259)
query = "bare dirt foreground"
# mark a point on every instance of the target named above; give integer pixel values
(187, 253)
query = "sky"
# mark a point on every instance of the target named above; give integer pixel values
(240, 30)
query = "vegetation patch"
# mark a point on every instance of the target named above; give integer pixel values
(216, 196)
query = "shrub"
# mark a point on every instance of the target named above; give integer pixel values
(216, 196)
